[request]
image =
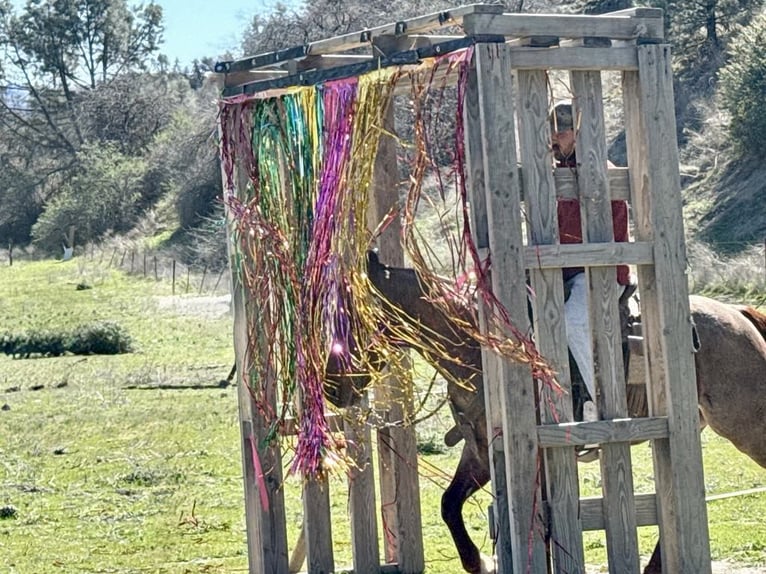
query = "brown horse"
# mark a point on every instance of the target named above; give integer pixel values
(730, 371)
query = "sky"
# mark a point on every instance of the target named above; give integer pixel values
(198, 28)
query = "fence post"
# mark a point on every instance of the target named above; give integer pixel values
(174, 277)
(202, 283)
(10, 253)
(156, 278)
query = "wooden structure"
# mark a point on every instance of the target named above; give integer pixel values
(538, 513)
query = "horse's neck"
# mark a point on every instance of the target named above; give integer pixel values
(402, 289)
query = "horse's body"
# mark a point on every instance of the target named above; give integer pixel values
(730, 381)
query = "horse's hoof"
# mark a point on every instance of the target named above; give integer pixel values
(488, 564)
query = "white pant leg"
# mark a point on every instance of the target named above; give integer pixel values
(579, 339)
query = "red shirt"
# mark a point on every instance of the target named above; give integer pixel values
(570, 231)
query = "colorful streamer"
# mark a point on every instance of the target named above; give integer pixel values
(298, 169)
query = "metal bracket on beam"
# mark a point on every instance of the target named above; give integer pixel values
(400, 28)
(365, 36)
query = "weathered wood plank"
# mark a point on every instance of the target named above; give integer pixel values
(562, 490)
(361, 498)
(317, 526)
(618, 183)
(475, 185)
(574, 58)
(616, 468)
(514, 385)
(602, 432)
(397, 445)
(564, 25)
(580, 255)
(653, 158)
(592, 511)
(266, 525)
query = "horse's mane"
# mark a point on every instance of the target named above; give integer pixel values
(756, 318)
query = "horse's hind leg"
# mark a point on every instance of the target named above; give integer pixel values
(471, 474)
(655, 562)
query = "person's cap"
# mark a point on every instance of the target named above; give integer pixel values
(561, 117)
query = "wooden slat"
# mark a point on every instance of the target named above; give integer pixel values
(588, 254)
(245, 77)
(361, 498)
(618, 183)
(514, 386)
(602, 432)
(653, 158)
(475, 184)
(564, 26)
(562, 491)
(397, 445)
(574, 58)
(616, 469)
(266, 527)
(317, 526)
(592, 511)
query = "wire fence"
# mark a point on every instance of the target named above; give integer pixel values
(184, 279)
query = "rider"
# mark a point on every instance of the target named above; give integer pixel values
(576, 312)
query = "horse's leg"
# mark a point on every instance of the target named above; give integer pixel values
(471, 474)
(655, 562)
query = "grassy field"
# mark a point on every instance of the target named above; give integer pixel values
(131, 463)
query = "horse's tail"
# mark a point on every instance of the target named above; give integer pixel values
(756, 318)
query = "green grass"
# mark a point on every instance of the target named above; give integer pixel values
(131, 463)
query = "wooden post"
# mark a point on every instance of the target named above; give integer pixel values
(154, 260)
(10, 253)
(265, 522)
(595, 206)
(361, 484)
(513, 385)
(475, 183)
(397, 444)
(202, 282)
(562, 489)
(174, 278)
(665, 315)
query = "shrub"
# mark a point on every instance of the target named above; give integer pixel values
(102, 338)
(101, 197)
(743, 85)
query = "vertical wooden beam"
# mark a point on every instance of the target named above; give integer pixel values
(317, 526)
(397, 445)
(513, 385)
(656, 199)
(361, 498)
(562, 489)
(494, 415)
(595, 206)
(266, 525)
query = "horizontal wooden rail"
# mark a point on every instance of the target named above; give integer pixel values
(592, 511)
(566, 25)
(602, 432)
(588, 255)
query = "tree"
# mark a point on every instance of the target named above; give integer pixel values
(743, 88)
(700, 31)
(60, 60)
(100, 197)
